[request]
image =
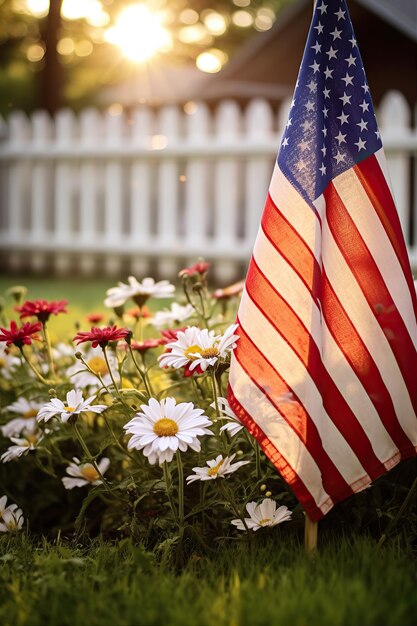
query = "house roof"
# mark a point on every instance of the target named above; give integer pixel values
(399, 13)
(258, 67)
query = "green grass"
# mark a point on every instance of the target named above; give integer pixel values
(272, 582)
(84, 295)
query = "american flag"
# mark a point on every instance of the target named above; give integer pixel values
(325, 371)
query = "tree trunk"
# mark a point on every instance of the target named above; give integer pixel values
(51, 80)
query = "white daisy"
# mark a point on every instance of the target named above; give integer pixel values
(75, 404)
(164, 427)
(233, 426)
(175, 315)
(82, 377)
(216, 468)
(263, 514)
(194, 347)
(139, 292)
(12, 519)
(27, 410)
(7, 362)
(63, 351)
(84, 473)
(22, 446)
(3, 506)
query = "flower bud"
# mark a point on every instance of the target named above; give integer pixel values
(268, 494)
(78, 355)
(263, 487)
(18, 293)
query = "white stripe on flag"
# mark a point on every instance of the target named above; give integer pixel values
(292, 289)
(373, 233)
(286, 362)
(296, 210)
(280, 434)
(357, 308)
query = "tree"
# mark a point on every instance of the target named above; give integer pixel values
(69, 43)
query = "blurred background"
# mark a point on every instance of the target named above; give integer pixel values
(137, 136)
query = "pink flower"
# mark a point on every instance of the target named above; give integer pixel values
(229, 292)
(20, 336)
(148, 344)
(198, 268)
(41, 309)
(170, 334)
(95, 318)
(101, 336)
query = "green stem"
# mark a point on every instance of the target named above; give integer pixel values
(228, 496)
(257, 460)
(167, 478)
(180, 491)
(89, 456)
(141, 373)
(403, 507)
(106, 358)
(48, 349)
(34, 369)
(84, 362)
(214, 387)
(146, 375)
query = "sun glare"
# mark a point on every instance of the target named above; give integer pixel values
(139, 33)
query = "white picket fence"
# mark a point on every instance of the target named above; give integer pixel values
(143, 191)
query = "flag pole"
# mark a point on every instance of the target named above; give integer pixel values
(310, 527)
(310, 535)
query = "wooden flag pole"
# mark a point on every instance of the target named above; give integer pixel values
(310, 527)
(310, 535)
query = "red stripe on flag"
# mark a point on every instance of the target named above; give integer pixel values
(366, 272)
(287, 472)
(375, 185)
(358, 356)
(291, 246)
(270, 382)
(291, 329)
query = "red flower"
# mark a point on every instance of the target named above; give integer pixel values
(101, 336)
(20, 336)
(41, 309)
(95, 318)
(170, 334)
(229, 292)
(142, 346)
(198, 268)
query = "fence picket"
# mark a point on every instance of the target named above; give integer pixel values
(394, 121)
(167, 186)
(197, 202)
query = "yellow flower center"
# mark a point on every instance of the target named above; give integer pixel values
(213, 471)
(90, 473)
(209, 353)
(29, 414)
(11, 524)
(265, 521)
(165, 427)
(98, 365)
(70, 409)
(188, 352)
(31, 439)
(206, 353)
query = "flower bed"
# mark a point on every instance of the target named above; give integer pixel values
(132, 415)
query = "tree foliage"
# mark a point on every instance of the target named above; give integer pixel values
(48, 60)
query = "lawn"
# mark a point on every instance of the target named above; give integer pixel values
(84, 295)
(126, 571)
(351, 582)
